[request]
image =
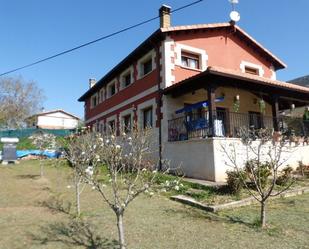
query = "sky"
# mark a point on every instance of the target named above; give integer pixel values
(35, 29)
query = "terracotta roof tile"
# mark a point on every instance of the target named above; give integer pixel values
(241, 76)
(195, 26)
(231, 73)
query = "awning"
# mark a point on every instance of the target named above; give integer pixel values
(197, 105)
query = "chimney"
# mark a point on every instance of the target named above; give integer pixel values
(92, 82)
(165, 16)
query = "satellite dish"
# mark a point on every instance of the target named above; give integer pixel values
(235, 16)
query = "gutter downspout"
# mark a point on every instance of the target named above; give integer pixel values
(159, 104)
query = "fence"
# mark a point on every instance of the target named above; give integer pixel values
(21, 133)
(228, 124)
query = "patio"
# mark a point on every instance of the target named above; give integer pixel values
(203, 113)
(228, 124)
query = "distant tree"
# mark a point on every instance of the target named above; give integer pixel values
(43, 141)
(19, 99)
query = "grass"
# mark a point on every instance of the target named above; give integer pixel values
(34, 214)
(213, 196)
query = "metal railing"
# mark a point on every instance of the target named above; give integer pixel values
(229, 124)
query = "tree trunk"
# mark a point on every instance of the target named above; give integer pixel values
(41, 168)
(263, 214)
(120, 230)
(77, 192)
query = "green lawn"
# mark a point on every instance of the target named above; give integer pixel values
(156, 222)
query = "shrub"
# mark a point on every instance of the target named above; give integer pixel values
(235, 180)
(258, 169)
(303, 169)
(286, 176)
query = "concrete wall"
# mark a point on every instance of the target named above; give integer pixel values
(291, 155)
(194, 158)
(206, 159)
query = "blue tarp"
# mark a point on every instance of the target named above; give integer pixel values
(197, 105)
(47, 153)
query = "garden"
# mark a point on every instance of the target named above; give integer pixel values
(106, 191)
(39, 212)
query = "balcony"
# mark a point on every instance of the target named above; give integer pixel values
(228, 124)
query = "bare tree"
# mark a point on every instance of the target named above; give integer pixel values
(264, 159)
(18, 100)
(121, 168)
(43, 141)
(82, 154)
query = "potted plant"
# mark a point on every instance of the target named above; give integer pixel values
(306, 114)
(277, 136)
(236, 103)
(262, 106)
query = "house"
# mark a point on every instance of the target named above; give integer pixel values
(56, 119)
(195, 85)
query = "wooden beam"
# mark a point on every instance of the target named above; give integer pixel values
(211, 96)
(275, 111)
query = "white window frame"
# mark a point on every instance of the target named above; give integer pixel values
(124, 114)
(102, 126)
(109, 119)
(108, 95)
(258, 67)
(150, 55)
(101, 95)
(273, 73)
(91, 100)
(191, 50)
(125, 73)
(140, 110)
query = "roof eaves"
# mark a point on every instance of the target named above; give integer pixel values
(280, 62)
(104, 79)
(277, 83)
(54, 111)
(242, 76)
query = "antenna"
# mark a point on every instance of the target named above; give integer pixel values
(233, 2)
(234, 15)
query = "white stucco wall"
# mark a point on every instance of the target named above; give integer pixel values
(206, 159)
(194, 158)
(57, 120)
(290, 156)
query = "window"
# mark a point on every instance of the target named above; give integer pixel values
(101, 127)
(127, 79)
(101, 95)
(147, 66)
(112, 126)
(97, 129)
(127, 123)
(94, 101)
(147, 115)
(251, 70)
(190, 60)
(111, 89)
